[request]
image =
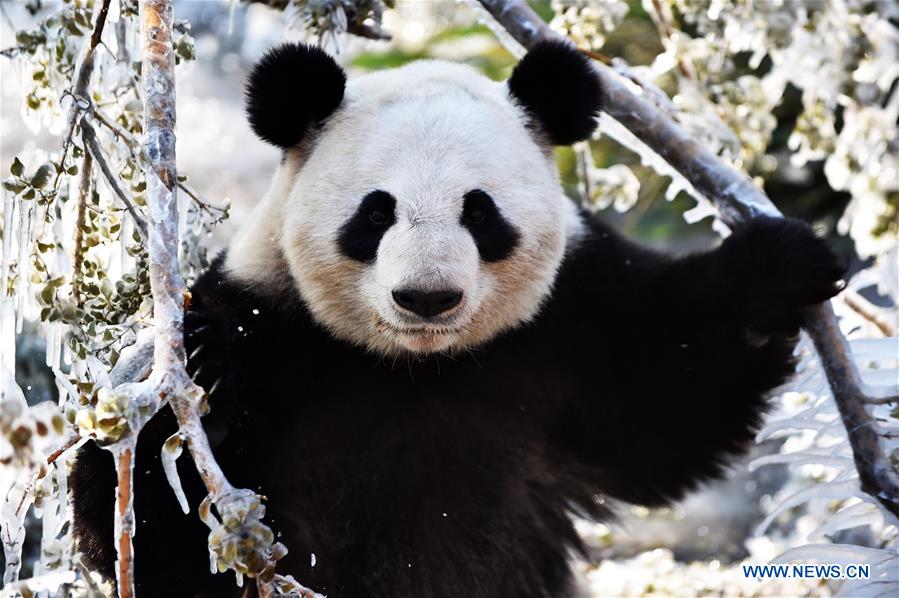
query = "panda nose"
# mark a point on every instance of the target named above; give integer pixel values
(427, 303)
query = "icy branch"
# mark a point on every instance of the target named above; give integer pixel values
(239, 510)
(737, 200)
(92, 145)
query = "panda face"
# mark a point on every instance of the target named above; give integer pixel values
(425, 217)
(418, 210)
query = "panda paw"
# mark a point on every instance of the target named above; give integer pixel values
(784, 267)
(205, 348)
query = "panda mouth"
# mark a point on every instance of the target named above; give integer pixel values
(418, 331)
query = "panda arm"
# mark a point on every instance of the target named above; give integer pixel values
(674, 358)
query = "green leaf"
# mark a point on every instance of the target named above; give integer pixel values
(73, 169)
(73, 28)
(47, 294)
(41, 177)
(82, 19)
(17, 167)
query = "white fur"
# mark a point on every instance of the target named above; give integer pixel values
(426, 133)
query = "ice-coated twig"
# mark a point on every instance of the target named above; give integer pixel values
(869, 311)
(737, 200)
(84, 191)
(92, 144)
(124, 514)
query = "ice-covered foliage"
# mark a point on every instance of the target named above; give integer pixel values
(74, 263)
(74, 258)
(833, 513)
(586, 22)
(727, 65)
(326, 19)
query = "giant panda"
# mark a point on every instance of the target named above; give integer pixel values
(428, 359)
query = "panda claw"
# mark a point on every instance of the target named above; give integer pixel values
(198, 330)
(196, 352)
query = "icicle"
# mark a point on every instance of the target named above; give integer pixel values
(49, 582)
(232, 9)
(833, 490)
(841, 554)
(171, 450)
(53, 334)
(17, 501)
(7, 309)
(798, 459)
(22, 279)
(648, 157)
(861, 513)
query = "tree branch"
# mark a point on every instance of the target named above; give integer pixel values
(737, 200)
(170, 377)
(92, 145)
(124, 516)
(84, 191)
(869, 311)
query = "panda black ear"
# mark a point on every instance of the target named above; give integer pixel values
(292, 88)
(559, 87)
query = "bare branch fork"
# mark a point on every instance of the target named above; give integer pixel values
(738, 200)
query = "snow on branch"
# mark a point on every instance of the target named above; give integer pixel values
(737, 200)
(238, 539)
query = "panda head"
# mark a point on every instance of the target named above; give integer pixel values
(417, 210)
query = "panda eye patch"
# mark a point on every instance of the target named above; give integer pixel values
(494, 236)
(360, 236)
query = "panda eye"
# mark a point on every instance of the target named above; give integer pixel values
(377, 217)
(477, 216)
(477, 208)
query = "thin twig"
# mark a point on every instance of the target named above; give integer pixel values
(12, 51)
(585, 160)
(124, 517)
(92, 145)
(883, 400)
(191, 193)
(84, 192)
(7, 18)
(79, 93)
(87, 65)
(71, 441)
(869, 311)
(660, 18)
(738, 200)
(136, 150)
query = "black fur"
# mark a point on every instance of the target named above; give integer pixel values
(292, 88)
(360, 236)
(559, 87)
(440, 476)
(494, 236)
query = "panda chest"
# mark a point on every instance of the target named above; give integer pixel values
(418, 431)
